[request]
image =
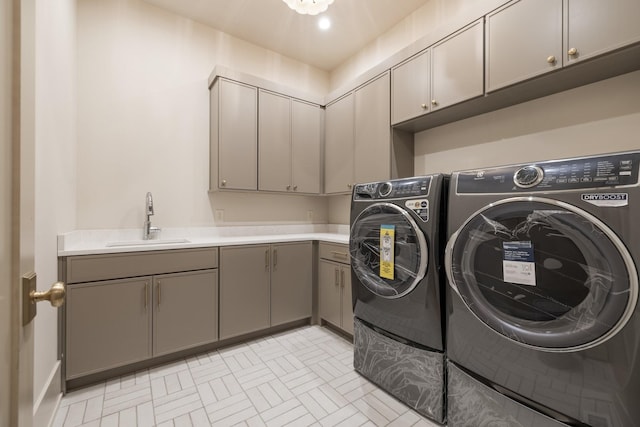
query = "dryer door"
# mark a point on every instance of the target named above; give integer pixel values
(543, 273)
(388, 250)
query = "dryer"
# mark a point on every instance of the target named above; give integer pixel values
(543, 322)
(396, 237)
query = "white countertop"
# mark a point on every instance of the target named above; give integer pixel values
(88, 242)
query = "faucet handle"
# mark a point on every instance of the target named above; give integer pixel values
(149, 203)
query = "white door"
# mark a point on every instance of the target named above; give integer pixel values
(17, 182)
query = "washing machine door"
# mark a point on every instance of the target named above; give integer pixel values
(389, 253)
(543, 273)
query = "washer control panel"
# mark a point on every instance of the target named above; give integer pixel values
(394, 189)
(569, 174)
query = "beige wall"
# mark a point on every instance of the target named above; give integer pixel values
(597, 118)
(420, 24)
(55, 153)
(143, 118)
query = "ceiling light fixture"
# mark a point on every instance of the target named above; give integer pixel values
(308, 7)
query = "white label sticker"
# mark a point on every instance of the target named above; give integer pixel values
(613, 200)
(518, 265)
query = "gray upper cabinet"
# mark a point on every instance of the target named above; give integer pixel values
(289, 144)
(411, 87)
(594, 27)
(523, 40)
(449, 72)
(372, 144)
(234, 136)
(338, 145)
(358, 136)
(457, 67)
(274, 142)
(306, 147)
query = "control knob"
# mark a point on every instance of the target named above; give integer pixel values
(385, 189)
(528, 176)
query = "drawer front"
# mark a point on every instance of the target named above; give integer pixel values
(89, 268)
(335, 252)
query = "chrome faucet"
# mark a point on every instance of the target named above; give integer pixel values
(147, 230)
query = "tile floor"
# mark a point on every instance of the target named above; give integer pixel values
(302, 377)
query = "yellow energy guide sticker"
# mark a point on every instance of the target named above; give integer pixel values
(387, 237)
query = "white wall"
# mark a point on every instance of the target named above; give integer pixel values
(55, 155)
(143, 118)
(598, 118)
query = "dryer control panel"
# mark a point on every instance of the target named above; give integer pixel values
(394, 189)
(612, 170)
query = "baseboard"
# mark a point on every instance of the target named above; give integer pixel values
(46, 405)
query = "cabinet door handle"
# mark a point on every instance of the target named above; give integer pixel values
(275, 258)
(339, 254)
(146, 294)
(573, 51)
(158, 291)
(434, 102)
(551, 59)
(342, 278)
(295, 188)
(266, 260)
(223, 183)
(337, 277)
(288, 187)
(423, 106)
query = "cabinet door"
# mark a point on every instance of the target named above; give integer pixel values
(244, 289)
(108, 325)
(338, 154)
(523, 40)
(306, 120)
(594, 27)
(274, 142)
(329, 292)
(372, 146)
(185, 310)
(291, 277)
(410, 88)
(458, 67)
(347, 303)
(237, 136)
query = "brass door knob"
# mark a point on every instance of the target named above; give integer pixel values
(423, 106)
(434, 102)
(573, 51)
(224, 182)
(551, 59)
(55, 295)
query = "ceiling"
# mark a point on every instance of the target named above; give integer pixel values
(272, 25)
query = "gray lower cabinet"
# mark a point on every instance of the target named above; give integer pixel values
(263, 286)
(335, 304)
(123, 320)
(108, 324)
(184, 310)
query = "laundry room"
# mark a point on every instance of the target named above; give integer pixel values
(421, 214)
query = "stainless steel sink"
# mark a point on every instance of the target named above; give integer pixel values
(150, 242)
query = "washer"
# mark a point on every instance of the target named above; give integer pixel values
(396, 239)
(543, 321)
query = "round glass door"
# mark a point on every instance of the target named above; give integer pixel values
(543, 273)
(388, 250)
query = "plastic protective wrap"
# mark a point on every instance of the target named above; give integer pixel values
(412, 375)
(409, 250)
(577, 289)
